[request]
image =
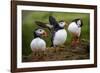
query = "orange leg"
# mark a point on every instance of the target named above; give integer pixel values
(78, 41)
(75, 41)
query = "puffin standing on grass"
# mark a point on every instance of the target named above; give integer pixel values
(38, 44)
(75, 29)
(59, 34)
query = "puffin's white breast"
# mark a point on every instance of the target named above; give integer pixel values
(60, 37)
(73, 28)
(38, 43)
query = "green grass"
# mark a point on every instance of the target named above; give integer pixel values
(28, 25)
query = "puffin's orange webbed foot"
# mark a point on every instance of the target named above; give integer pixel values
(75, 43)
(78, 42)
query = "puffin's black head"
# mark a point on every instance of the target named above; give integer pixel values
(39, 32)
(78, 22)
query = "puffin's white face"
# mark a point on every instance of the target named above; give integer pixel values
(62, 24)
(41, 32)
(79, 23)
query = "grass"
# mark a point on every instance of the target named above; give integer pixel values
(28, 25)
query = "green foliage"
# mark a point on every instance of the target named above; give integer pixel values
(28, 26)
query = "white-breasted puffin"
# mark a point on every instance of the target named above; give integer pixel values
(59, 34)
(75, 29)
(38, 44)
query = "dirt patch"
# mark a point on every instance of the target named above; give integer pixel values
(66, 52)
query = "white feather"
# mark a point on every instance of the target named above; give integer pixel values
(38, 44)
(73, 28)
(60, 37)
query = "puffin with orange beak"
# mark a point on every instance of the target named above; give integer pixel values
(75, 29)
(59, 34)
(38, 44)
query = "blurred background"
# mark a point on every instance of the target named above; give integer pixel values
(28, 26)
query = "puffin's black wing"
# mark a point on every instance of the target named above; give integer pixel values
(41, 24)
(44, 25)
(53, 22)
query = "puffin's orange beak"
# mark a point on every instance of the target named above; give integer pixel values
(45, 34)
(66, 24)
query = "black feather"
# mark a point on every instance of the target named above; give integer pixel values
(53, 21)
(55, 24)
(43, 25)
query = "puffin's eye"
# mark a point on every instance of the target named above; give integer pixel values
(40, 30)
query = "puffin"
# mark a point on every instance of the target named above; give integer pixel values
(59, 34)
(75, 29)
(38, 44)
(57, 30)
